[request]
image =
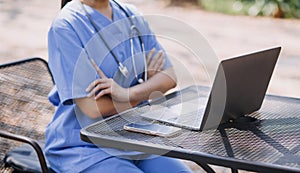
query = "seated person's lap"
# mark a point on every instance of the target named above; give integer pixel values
(156, 165)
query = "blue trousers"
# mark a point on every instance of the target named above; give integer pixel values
(156, 165)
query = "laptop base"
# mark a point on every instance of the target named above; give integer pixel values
(241, 123)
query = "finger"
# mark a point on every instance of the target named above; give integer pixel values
(159, 66)
(95, 83)
(99, 88)
(153, 61)
(157, 60)
(160, 54)
(92, 85)
(102, 93)
(162, 65)
(149, 55)
(99, 71)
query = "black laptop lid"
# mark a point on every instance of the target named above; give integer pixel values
(240, 86)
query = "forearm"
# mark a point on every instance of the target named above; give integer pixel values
(159, 83)
(102, 107)
(106, 105)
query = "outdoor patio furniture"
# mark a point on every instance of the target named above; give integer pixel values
(269, 144)
(25, 112)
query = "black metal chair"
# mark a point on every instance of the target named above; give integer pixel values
(25, 113)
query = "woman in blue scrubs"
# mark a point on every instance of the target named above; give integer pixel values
(97, 32)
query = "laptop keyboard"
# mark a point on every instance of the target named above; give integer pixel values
(187, 114)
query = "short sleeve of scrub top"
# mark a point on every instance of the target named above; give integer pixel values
(72, 40)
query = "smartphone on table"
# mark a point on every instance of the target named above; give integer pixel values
(152, 129)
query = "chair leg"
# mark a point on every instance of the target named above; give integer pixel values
(31, 142)
(206, 167)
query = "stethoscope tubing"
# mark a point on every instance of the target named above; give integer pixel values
(133, 28)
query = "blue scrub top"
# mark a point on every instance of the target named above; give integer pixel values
(71, 41)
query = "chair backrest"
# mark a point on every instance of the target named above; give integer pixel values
(25, 109)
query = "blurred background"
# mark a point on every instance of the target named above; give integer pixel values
(230, 27)
(272, 8)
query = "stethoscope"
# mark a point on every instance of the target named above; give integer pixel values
(134, 31)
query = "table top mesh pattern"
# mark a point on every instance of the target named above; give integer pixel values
(274, 140)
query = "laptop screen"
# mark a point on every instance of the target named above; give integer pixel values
(239, 87)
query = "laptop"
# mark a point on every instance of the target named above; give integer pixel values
(238, 89)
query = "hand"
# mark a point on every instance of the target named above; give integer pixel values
(155, 63)
(107, 86)
(104, 86)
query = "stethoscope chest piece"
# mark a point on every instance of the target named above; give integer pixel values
(140, 80)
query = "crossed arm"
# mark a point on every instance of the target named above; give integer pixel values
(113, 98)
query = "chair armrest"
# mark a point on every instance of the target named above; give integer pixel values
(31, 142)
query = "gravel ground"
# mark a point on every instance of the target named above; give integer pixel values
(24, 26)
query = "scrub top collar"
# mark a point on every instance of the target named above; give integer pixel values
(100, 18)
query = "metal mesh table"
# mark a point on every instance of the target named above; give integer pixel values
(270, 144)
